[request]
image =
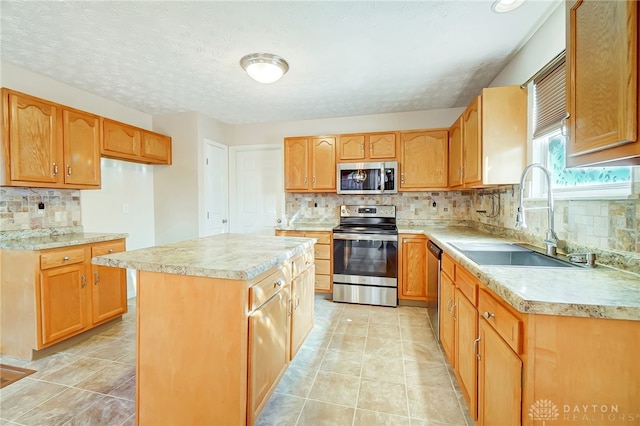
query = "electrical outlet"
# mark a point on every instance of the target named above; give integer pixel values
(40, 209)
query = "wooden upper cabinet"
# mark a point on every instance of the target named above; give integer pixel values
(310, 164)
(323, 164)
(423, 160)
(602, 83)
(352, 147)
(81, 132)
(49, 145)
(121, 141)
(472, 134)
(455, 154)
(367, 146)
(31, 133)
(296, 164)
(156, 147)
(494, 137)
(382, 146)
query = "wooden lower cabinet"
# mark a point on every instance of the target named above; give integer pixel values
(62, 302)
(268, 350)
(466, 350)
(447, 319)
(109, 285)
(323, 256)
(412, 270)
(302, 299)
(49, 295)
(499, 380)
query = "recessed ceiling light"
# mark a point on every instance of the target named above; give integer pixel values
(503, 6)
(264, 67)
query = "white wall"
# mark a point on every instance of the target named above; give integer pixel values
(274, 133)
(541, 48)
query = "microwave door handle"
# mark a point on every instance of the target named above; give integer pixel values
(382, 179)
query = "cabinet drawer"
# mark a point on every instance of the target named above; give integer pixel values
(323, 237)
(106, 248)
(61, 257)
(264, 289)
(448, 266)
(468, 285)
(508, 326)
(322, 251)
(323, 267)
(322, 282)
(301, 262)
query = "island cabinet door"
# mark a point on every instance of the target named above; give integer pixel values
(268, 350)
(302, 297)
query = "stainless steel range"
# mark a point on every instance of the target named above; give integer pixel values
(365, 256)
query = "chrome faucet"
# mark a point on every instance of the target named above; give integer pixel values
(551, 241)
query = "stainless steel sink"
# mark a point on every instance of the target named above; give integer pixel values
(506, 254)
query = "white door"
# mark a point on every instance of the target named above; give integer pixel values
(216, 187)
(257, 188)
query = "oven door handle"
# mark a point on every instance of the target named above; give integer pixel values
(365, 237)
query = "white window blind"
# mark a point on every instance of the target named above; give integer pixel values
(549, 99)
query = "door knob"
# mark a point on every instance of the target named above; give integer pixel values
(279, 221)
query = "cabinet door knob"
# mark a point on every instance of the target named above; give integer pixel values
(488, 315)
(66, 258)
(55, 169)
(277, 284)
(110, 250)
(68, 170)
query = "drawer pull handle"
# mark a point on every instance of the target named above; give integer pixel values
(277, 284)
(66, 258)
(83, 279)
(488, 315)
(110, 250)
(97, 278)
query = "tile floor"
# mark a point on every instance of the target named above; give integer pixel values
(361, 365)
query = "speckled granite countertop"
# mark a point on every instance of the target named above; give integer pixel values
(580, 292)
(309, 226)
(57, 241)
(229, 256)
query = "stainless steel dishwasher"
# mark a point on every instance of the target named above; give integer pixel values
(433, 284)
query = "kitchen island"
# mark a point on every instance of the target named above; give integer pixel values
(218, 320)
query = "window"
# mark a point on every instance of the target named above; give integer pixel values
(577, 182)
(548, 147)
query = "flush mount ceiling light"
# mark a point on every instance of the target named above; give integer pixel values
(264, 67)
(504, 6)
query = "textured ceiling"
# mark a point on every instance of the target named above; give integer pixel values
(345, 58)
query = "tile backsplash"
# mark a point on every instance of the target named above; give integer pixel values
(19, 210)
(581, 225)
(411, 207)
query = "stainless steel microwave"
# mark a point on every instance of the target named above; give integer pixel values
(368, 178)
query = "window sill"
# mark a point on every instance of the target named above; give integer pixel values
(616, 191)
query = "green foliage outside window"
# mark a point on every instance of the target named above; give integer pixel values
(563, 177)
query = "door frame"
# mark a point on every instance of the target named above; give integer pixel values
(202, 214)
